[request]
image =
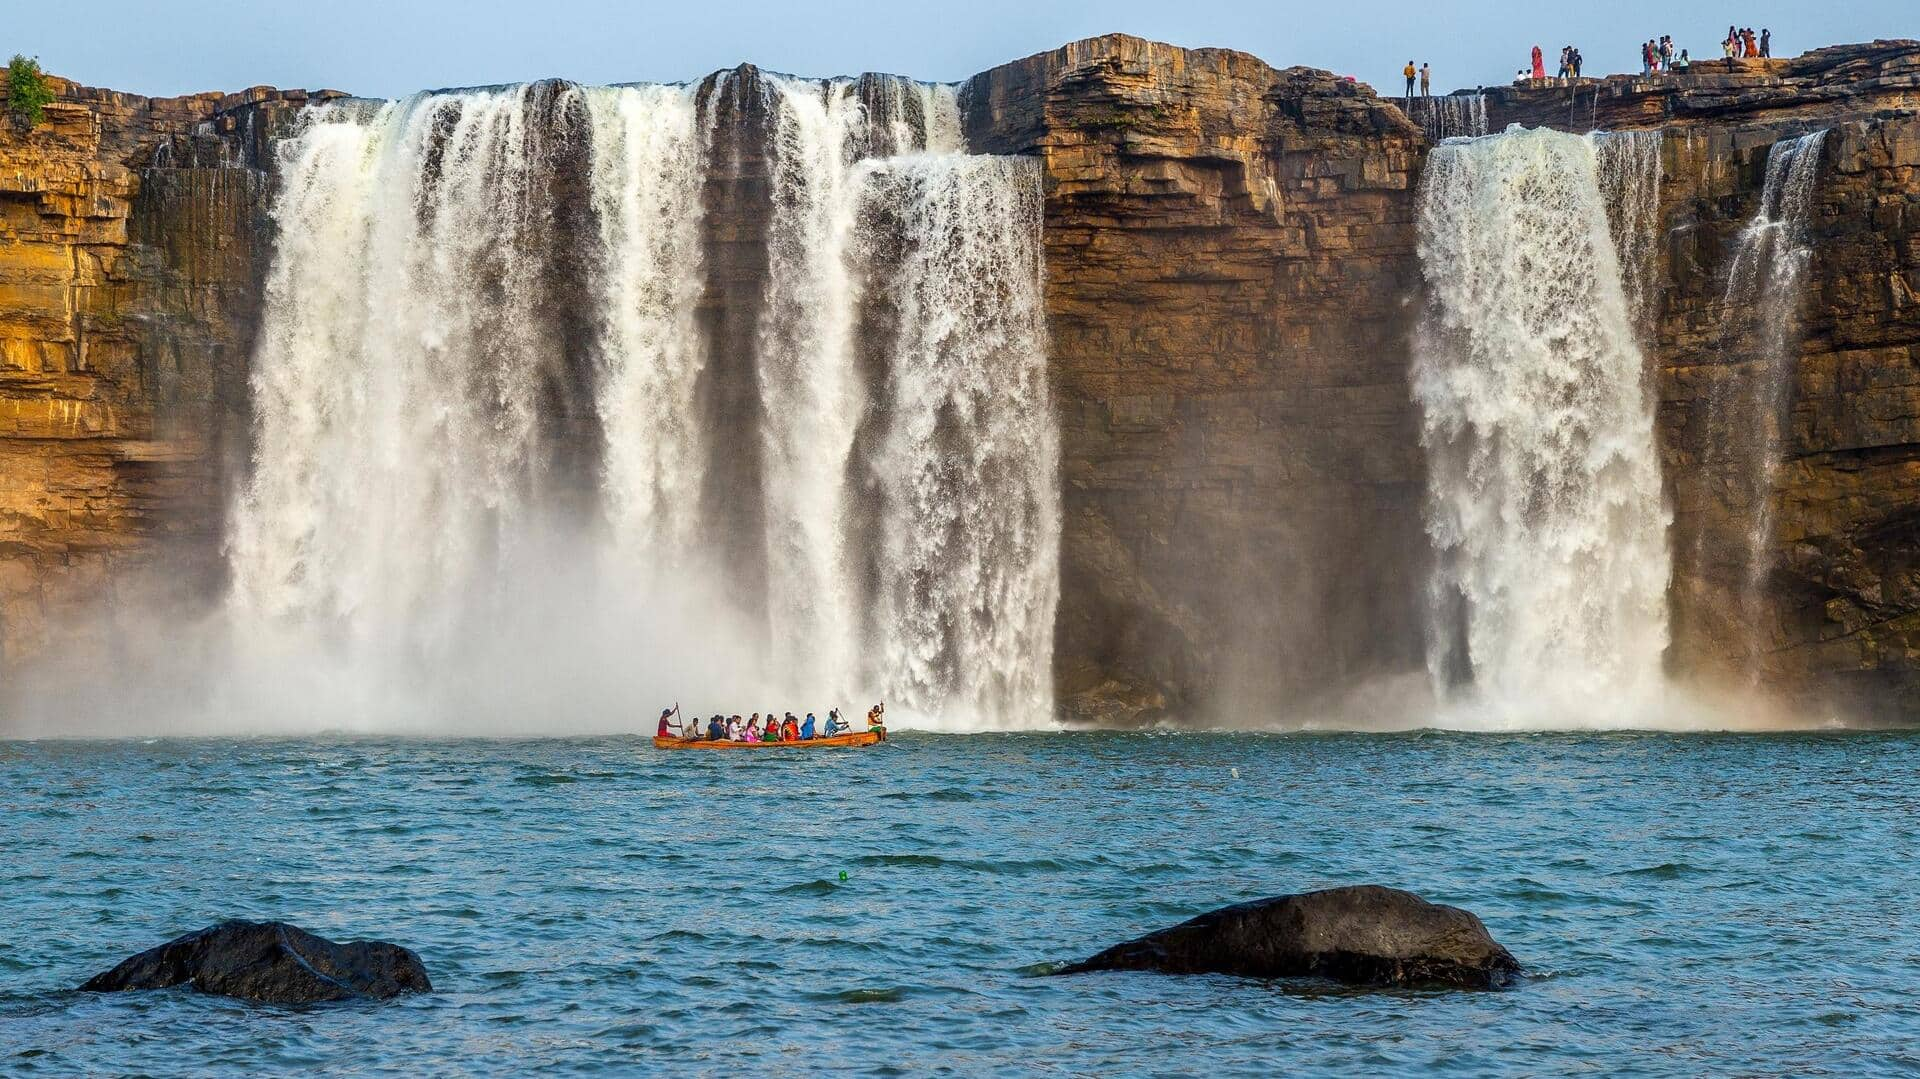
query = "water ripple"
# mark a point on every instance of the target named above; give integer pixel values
(1693, 904)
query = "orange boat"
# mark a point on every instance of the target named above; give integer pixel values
(854, 739)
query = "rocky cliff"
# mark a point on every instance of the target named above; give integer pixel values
(1231, 284)
(133, 243)
(1229, 255)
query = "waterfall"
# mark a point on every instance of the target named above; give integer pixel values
(808, 390)
(482, 459)
(1544, 501)
(1453, 116)
(969, 509)
(1629, 163)
(649, 168)
(808, 339)
(1762, 304)
(402, 348)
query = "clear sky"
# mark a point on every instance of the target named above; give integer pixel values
(392, 47)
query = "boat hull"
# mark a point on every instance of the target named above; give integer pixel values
(838, 741)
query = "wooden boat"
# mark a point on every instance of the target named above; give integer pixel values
(851, 739)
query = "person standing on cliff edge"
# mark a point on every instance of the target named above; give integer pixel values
(1410, 72)
(1539, 64)
(1766, 42)
(1426, 82)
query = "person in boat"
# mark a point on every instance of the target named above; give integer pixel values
(806, 728)
(876, 720)
(835, 724)
(789, 729)
(716, 730)
(752, 733)
(667, 726)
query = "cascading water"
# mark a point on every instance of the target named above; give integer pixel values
(1762, 304)
(809, 391)
(648, 176)
(1629, 163)
(1453, 116)
(397, 444)
(484, 321)
(966, 466)
(1544, 500)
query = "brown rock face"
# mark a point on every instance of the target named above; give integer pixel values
(1229, 262)
(132, 251)
(1840, 594)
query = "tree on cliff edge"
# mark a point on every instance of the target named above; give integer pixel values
(27, 90)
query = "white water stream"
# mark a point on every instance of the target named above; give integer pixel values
(411, 523)
(1544, 501)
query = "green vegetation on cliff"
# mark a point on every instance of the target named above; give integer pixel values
(27, 90)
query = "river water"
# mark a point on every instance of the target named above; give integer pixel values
(1686, 904)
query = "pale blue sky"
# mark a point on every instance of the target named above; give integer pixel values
(392, 47)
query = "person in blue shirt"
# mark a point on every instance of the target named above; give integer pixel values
(806, 728)
(716, 730)
(834, 723)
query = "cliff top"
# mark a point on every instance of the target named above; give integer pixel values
(1830, 82)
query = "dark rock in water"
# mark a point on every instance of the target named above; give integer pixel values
(271, 962)
(1363, 935)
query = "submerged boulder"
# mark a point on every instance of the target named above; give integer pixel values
(270, 962)
(1362, 935)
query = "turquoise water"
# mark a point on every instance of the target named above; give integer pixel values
(1686, 905)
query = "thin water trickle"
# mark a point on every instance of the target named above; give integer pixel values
(1761, 315)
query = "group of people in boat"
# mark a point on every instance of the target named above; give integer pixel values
(775, 728)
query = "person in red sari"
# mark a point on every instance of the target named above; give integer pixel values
(1539, 64)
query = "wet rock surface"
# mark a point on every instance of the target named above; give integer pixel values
(1362, 935)
(270, 963)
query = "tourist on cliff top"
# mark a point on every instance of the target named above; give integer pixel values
(1766, 42)
(1753, 47)
(1566, 62)
(1666, 52)
(1577, 61)
(1410, 72)
(1425, 81)
(1683, 63)
(1539, 63)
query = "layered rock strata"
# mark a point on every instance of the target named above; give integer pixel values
(133, 244)
(1230, 253)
